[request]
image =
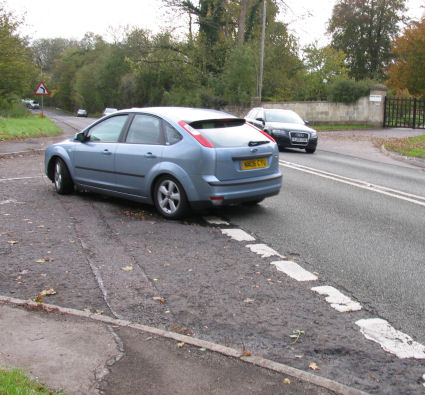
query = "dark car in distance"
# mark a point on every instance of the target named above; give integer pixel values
(285, 126)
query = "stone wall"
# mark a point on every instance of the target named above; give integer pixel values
(366, 111)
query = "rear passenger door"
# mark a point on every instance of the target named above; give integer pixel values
(140, 151)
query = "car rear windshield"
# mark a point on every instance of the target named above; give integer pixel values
(224, 133)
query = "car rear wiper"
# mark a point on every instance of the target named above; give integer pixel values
(255, 143)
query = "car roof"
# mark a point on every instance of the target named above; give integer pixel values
(186, 114)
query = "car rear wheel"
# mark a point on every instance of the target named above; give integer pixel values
(62, 179)
(170, 198)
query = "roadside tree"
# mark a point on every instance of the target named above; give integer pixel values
(407, 70)
(16, 66)
(364, 30)
(323, 66)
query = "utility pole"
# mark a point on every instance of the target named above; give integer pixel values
(263, 34)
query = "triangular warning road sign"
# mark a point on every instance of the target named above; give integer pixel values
(42, 89)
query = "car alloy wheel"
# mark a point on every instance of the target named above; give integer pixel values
(170, 198)
(62, 179)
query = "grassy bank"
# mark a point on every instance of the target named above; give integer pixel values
(17, 382)
(31, 126)
(412, 146)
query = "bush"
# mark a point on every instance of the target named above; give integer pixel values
(348, 90)
(12, 109)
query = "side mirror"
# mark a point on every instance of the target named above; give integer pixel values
(307, 123)
(261, 120)
(80, 137)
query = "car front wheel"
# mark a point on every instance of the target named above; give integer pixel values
(170, 198)
(310, 150)
(62, 178)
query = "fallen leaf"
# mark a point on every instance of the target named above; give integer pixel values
(127, 268)
(159, 299)
(247, 354)
(99, 312)
(148, 338)
(38, 299)
(180, 345)
(12, 242)
(87, 310)
(46, 292)
(286, 381)
(40, 261)
(313, 366)
(296, 335)
(248, 300)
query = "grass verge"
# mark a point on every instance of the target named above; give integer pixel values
(19, 128)
(17, 382)
(341, 127)
(411, 146)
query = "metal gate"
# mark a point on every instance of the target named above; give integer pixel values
(404, 113)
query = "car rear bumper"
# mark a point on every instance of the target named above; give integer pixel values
(224, 193)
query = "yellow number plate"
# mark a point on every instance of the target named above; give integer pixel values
(253, 163)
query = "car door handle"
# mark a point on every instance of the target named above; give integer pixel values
(150, 155)
(106, 152)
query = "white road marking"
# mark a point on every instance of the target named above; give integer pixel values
(416, 199)
(216, 221)
(264, 250)
(294, 270)
(337, 300)
(18, 178)
(237, 234)
(391, 340)
(10, 201)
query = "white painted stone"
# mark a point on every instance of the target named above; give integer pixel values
(237, 234)
(295, 271)
(338, 300)
(390, 339)
(264, 250)
(216, 221)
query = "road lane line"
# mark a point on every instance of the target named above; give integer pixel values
(390, 339)
(237, 234)
(337, 300)
(18, 178)
(416, 199)
(264, 250)
(294, 270)
(216, 221)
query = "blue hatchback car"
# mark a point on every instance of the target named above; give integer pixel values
(175, 158)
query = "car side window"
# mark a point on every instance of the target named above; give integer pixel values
(144, 129)
(173, 136)
(109, 130)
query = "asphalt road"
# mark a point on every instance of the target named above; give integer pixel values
(119, 258)
(364, 233)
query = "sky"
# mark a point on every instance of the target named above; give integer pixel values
(72, 19)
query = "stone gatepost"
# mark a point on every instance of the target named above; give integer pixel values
(377, 105)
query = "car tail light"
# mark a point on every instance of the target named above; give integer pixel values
(261, 131)
(197, 135)
(217, 200)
